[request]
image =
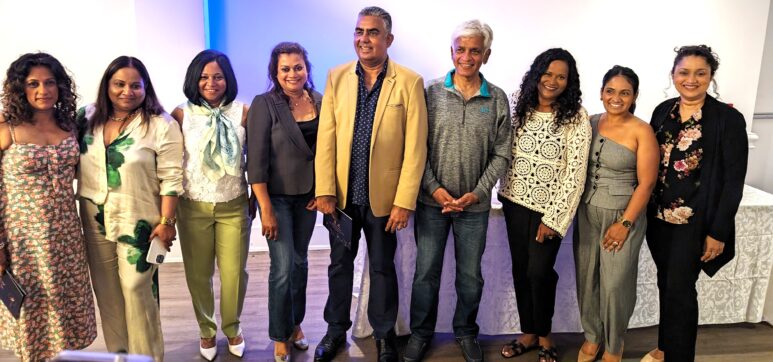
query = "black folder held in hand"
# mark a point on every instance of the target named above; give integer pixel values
(11, 293)
(340, 227)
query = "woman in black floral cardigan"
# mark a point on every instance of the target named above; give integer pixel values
(691, 216)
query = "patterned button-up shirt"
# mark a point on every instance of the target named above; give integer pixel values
(681, 156)
(363, 129)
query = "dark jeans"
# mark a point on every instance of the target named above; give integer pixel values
(431, 227)
(289, 264)
(383, 298)
(533, 274)
(676, 250)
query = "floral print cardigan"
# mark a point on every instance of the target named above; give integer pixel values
(127, 178)
(681, 152)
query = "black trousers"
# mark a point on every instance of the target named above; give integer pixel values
(383, 298)
(533, 274)
(677, 250)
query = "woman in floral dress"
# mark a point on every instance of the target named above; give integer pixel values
(691, 215)
(40, 236)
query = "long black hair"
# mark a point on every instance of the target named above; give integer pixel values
(568, 104)
(149, 107)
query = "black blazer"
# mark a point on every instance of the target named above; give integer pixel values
(723, 170)
(277, 153)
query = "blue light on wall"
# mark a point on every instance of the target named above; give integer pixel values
(214, 24)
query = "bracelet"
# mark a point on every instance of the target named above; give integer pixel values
(168, 221)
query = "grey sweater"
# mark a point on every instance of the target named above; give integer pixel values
(468, 142)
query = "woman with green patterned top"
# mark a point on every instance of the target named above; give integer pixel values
(129, 179)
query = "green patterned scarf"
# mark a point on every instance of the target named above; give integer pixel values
(220, 147)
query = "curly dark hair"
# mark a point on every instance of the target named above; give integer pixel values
(703, 51)
(568, 104)
(149, 107)
(17, 109)
(273, 68)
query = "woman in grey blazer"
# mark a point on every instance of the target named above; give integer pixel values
(622, 169)
(282, 133)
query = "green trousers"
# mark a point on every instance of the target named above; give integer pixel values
(212, 232)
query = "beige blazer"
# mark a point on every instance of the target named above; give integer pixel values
(398, 144)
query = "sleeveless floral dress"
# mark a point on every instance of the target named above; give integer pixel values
(46, 252)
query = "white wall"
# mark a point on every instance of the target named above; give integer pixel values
(760, 172)
(765, 88)
(86, 35)
(600, 34)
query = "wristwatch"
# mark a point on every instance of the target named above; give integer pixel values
(168, 221)
(626, 223)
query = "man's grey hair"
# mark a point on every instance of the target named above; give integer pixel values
(473, 28)
(378, 12)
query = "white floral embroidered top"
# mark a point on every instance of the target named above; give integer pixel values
(549, 166)
(199, 187)
(127, 178)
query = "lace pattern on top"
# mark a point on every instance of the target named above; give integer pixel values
(199, 187)
(547, 173)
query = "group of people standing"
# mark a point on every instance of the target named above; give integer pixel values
(380, 145)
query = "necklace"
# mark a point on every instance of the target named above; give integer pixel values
(123, 119)
(297, 100)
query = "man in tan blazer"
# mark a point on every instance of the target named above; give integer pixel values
(371, 152)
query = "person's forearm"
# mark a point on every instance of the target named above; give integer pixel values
(168, 206)
(261, 193)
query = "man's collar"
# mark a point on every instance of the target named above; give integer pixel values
(358, 68)
(484, 88)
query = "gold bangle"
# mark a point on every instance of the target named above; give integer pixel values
(168, 221)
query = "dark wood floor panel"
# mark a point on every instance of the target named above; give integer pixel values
(749, 342)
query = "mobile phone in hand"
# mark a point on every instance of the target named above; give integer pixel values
(157, 251)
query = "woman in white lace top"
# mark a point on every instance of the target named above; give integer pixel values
(214, 220)
(542, 189)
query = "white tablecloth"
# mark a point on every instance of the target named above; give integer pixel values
(736, 294)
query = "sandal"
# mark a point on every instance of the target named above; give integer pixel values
(281, 357)
(299, 343)
(517, 348)
(583, 357)
(548, 354)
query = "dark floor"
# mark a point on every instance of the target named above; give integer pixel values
(747, 342)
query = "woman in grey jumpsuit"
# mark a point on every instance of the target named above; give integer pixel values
(622, 171)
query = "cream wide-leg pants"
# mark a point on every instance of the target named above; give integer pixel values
(129, 311)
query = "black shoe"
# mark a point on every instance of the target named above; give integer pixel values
(470, 349)
(328, 348)
(415, 349)
(387, 351)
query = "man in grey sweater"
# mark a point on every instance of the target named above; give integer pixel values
(469, 148)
